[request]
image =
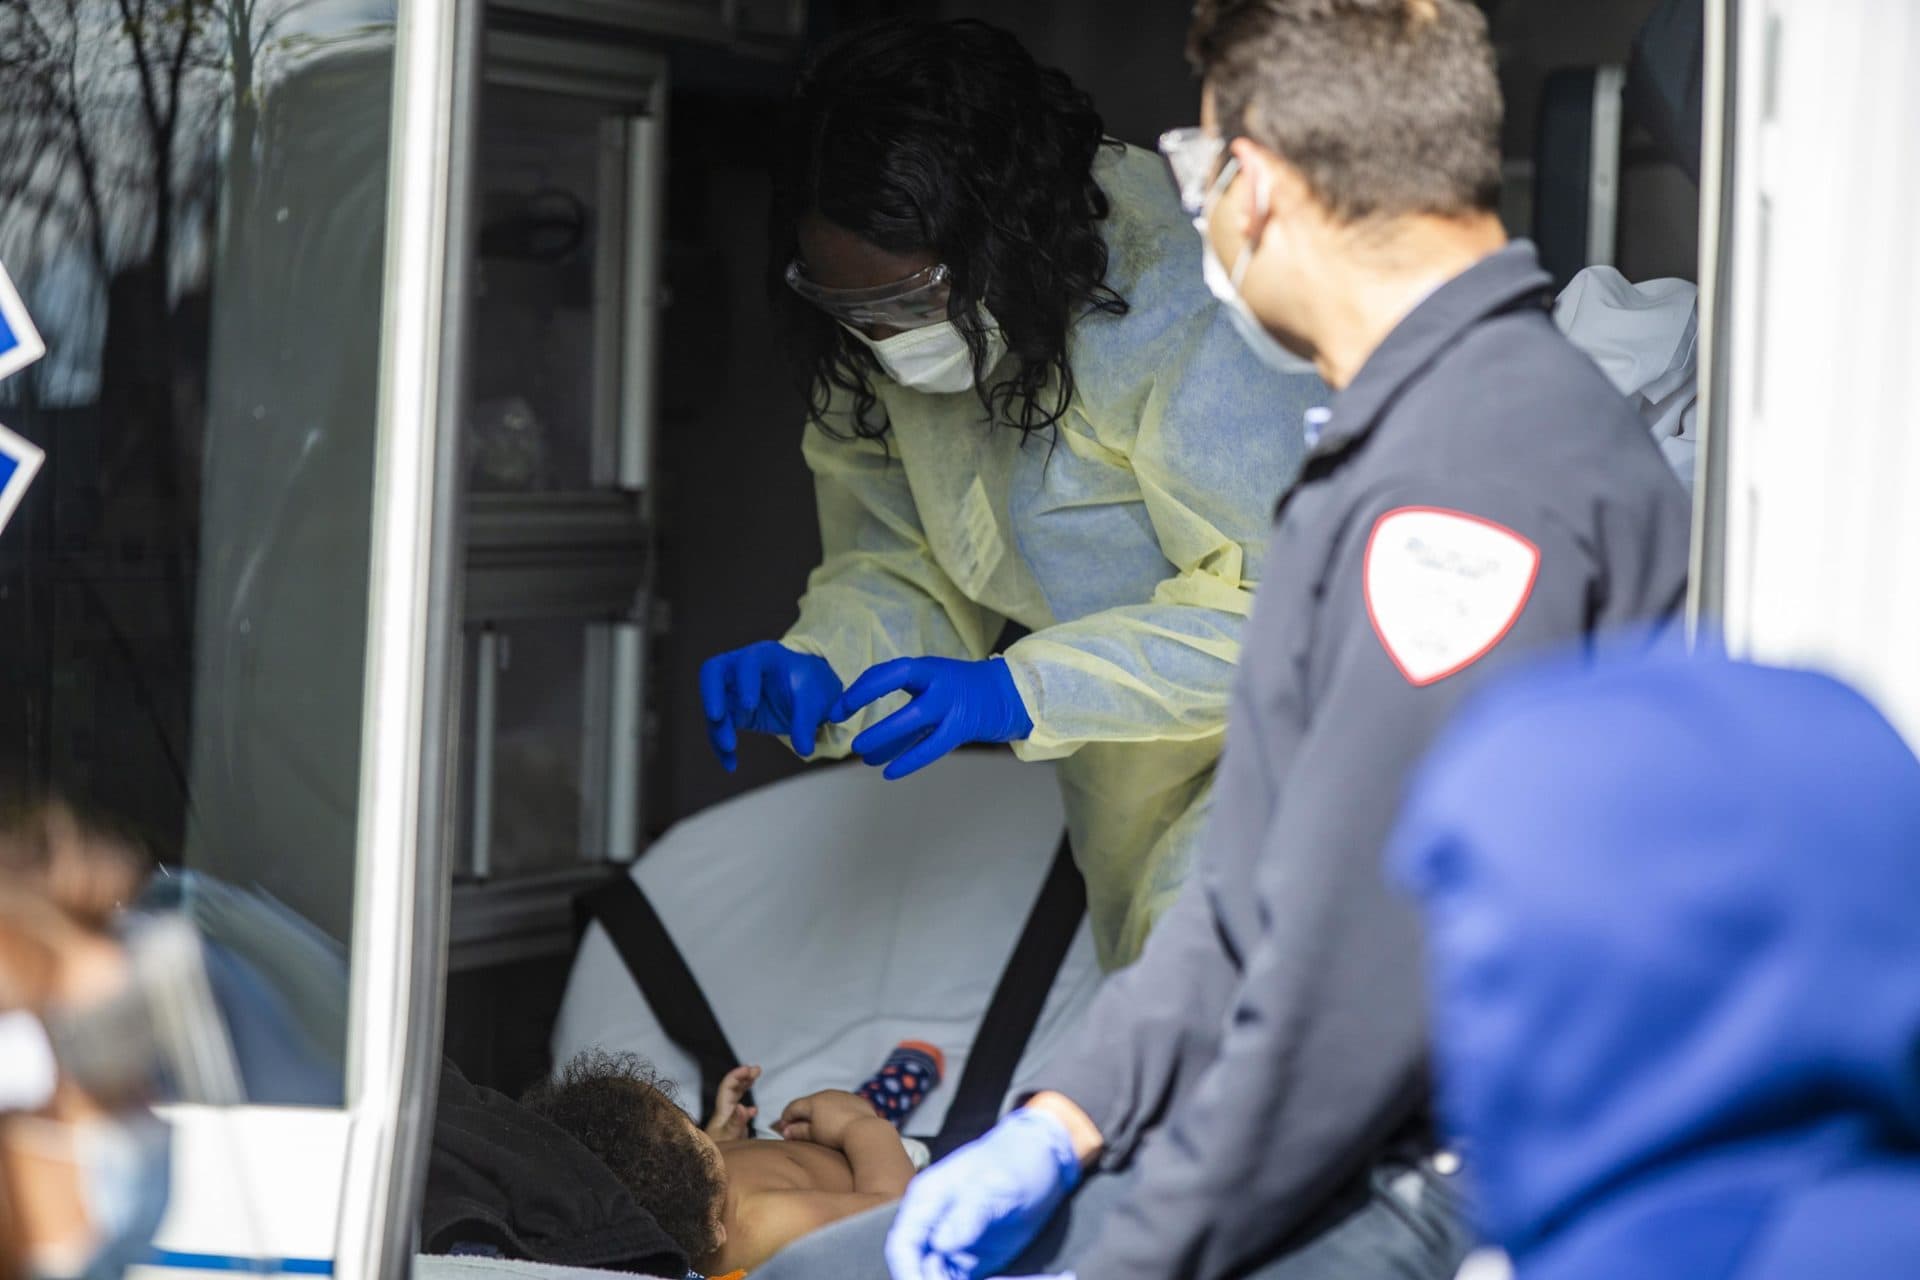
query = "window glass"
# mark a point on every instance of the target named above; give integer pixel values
(193, 201)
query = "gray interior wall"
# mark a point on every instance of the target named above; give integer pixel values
(1659, 206)
(1535, 37)
(1131, 57)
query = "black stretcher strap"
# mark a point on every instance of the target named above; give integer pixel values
(674, 995)
(1017, 1002)
(661, 972)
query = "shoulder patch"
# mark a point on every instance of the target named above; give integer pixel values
(1444, 587)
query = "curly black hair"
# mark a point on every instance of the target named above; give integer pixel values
(616, 1106)
(947, 136)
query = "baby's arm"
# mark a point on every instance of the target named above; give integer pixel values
(881, 1165)
(848, 1124)
(731, 1121)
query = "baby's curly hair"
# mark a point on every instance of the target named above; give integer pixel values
(620, 1109)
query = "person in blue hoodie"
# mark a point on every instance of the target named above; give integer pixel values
(1673, 921)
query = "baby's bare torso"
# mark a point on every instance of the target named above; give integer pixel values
(763, 1164)
(759, 1172)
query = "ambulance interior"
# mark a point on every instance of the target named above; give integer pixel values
(636, 502)
(403, 625)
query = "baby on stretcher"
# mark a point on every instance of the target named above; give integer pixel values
(730, 1200)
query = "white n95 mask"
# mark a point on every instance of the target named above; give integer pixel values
(934, 358)
(1226, 287)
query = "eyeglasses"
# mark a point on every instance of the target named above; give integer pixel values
(913, 303)
(1193, 156)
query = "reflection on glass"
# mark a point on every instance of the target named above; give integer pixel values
(544, 303)
(192, 197)
(529, 750)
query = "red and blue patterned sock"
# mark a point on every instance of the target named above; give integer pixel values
(909, 1075)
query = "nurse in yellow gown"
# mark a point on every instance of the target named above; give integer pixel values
(1025, 407)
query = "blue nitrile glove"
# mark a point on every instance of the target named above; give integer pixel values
(974, 1212)
(954, 703)
(766, 688)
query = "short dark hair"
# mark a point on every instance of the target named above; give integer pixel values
(616, 1106)
(1387, 108)
(948, 136)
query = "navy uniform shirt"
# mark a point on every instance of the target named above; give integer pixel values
(1477, 493)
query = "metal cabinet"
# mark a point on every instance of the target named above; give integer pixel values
(740, 23)
(559, 395)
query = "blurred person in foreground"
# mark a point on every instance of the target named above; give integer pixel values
(1673, 919)
(47, 850)
(83, 1167)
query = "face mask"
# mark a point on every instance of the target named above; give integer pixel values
(124, 1167)
(1226, 288)
(935, 358)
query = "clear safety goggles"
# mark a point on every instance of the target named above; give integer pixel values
(1193, 157)
(913, 303)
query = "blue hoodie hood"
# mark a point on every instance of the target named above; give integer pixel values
(1673, 915)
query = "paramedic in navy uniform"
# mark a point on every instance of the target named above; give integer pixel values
(1250, 1098)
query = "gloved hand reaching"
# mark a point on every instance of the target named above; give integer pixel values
(974, 1212)
(954, 703)
(766, 688)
